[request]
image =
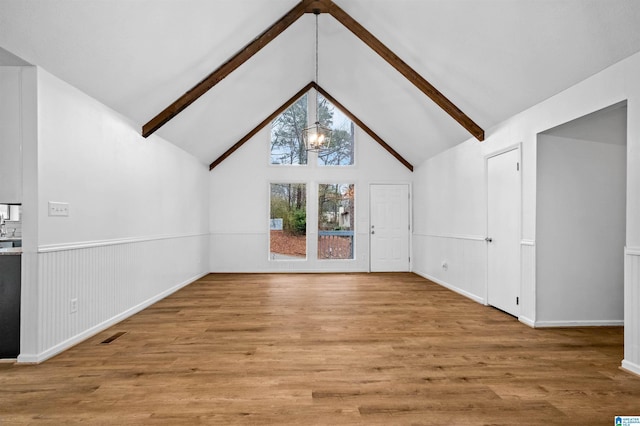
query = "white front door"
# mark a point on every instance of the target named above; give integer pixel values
(503, 231)
(389, 228)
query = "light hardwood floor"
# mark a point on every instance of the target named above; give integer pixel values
(329, 349)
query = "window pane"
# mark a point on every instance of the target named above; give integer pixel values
(335, 221)
(288, 214)
(287, 146)
(342, 139)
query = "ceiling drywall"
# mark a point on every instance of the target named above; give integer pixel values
(492, 58)
(8, 59)
(609, 125)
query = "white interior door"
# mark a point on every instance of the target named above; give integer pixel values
(389, 228)
(503, 231)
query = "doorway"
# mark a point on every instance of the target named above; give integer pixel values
(503, 231)
(389, 228)
(581, 220)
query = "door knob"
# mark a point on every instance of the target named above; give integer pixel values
(488, 239)
(373, 232)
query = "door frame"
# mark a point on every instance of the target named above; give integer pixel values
(516, 146)
(410, 211)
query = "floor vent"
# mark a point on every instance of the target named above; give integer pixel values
(112, 338)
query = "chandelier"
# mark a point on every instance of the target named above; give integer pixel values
(317, 137)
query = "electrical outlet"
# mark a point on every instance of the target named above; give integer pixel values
(74, 305)
(58, 209)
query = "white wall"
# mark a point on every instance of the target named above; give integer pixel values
(615, 84)
(580, 231)
(10, 134)
(239, 206)
(137, 227)
(450, 220)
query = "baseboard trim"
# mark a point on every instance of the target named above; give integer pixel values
(27, 359)
(597, 323)
(61, 347)
(527, 321)
(452, 288)
(631, 367)
(295, 271)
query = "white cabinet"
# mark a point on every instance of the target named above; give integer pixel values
(10, 135)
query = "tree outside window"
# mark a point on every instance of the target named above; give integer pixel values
(288, 221)
(336, 218)
(341, 152)
(287, 146)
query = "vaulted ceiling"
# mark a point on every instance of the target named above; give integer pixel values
(491, 58)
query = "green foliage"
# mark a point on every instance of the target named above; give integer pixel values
(279, 208)
(288, 202)
(298, 225)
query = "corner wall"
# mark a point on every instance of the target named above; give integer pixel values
(615, 84)
(10, 133)
(580, 232)
(450, 221)
(137, 224)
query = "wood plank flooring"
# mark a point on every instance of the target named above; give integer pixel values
(326, 349)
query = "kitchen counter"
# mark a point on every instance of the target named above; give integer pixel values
(11, 251)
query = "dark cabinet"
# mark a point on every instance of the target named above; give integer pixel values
(10, 305)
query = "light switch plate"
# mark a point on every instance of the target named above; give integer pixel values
(58, 209)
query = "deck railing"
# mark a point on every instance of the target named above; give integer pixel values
(331, 244)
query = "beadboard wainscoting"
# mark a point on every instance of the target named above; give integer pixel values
(83, 288)
(631, 360)
(457, 262)
(528, 282)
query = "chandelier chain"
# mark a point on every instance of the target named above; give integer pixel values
(316, 137)
(317, 61)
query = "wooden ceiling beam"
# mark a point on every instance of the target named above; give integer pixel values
(364, 127)
(316, 7)
(225, 69)
(409, 73)
(287, 104)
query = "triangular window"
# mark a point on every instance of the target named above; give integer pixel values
(341, 151)
(287, 146)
